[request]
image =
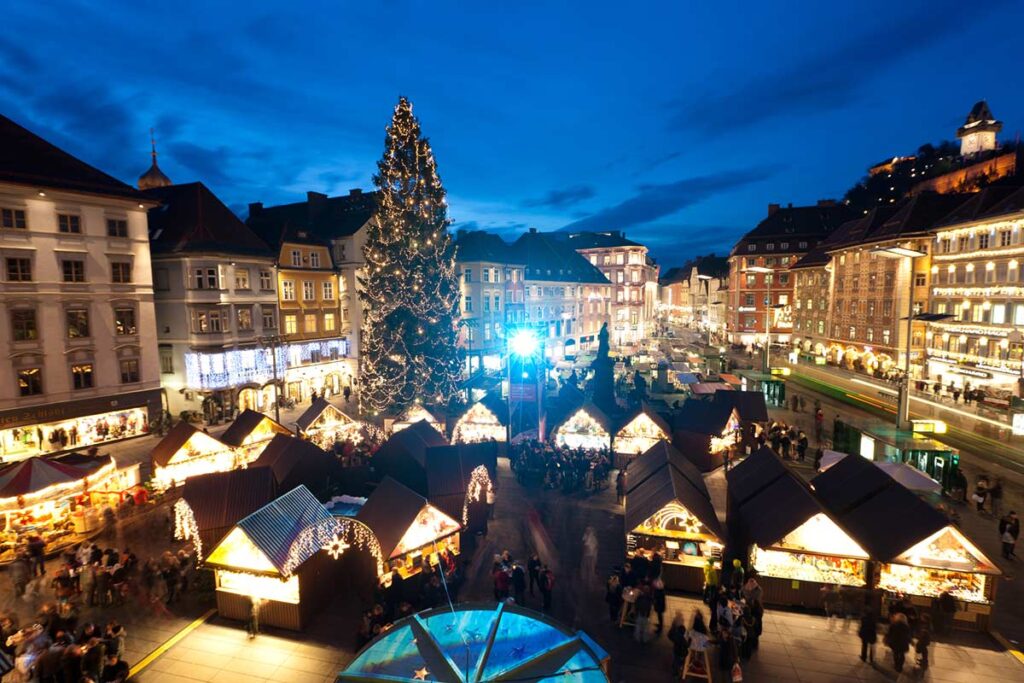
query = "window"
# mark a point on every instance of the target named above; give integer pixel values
(920, 279)
(287, 290)
(81, 376)
(751, 247)
(770, 246)
(166, 359)
(124, 321)
(216, 322)
(69, 223)
(117, 227)
(620, 259)
(329, 322)
(784, 246)
(885, 337)
(241, 278)
(485, 274)
(467, 275)
(999, 314)
(308, 291)
(23, 325)
(244, 318)
(871, 309)
(487, 303)
(121, 272)
(269, 318)
(30, 382)
(328, 291)
(983, 240)
(821, 327)
(266, 279)
(19, 270)
(748, 299)
(802, 245)
(309, 322)
(200, 321)
(296, 257)
(783, 278)
(314, 259)
(468, 304)
(12, 218)
(205, 278)
(77, 323)
(1004, 238)
(344, 315)
(964, 243)
(291, 324)
(73, 271)
(751, 280)
(129, 371)
(870, 332)
(497, 302)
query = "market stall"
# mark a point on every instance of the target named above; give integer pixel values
(640, 431)
(504, 642)
(459, 478)
(410, 530)
(485, 420)
(413, 414)
(186, 452)
(923, 554)
(259, 562)
(325, 425)
(404, 455)
(706, 432)
(296, 462)
(796, 545)
(882, 442)
(669, 512)
(44, 497)
(585, 427)
(250, 433)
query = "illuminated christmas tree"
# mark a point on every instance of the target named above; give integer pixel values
(409, 287)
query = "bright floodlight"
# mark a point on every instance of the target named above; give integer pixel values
(524, 343)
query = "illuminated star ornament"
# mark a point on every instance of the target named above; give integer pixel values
(420, 674)
(337, 547)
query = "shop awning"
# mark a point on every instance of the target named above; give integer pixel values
(731, 379)
(296, 462)
(219, 500)
(247, 422)
(664, 487)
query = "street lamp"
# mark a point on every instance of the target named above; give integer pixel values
(896, 251)
(273, 341)
(768, 272)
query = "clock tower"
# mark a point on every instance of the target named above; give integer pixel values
(978, 134)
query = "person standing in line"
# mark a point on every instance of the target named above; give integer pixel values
(801, 447)
(547, 585)
(533, 569)
(868, 633)
(924, 639)
(1009, 531)
(620, 487)
(898, 640)
(980, 494)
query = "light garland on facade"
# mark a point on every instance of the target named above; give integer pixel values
(972, 291)
(186, 528)
(479, 482)
(980, 228)
(333, 536)
(223, 369)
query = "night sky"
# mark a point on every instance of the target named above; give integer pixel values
(677, 122)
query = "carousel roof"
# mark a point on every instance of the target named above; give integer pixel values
(35, 474)
(668, 486)
(315, 410)
(479, 642)
(244, 425)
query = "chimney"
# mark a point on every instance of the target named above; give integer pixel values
(315, 197)
(533, 231)
(826, 202)
(255, 208)
(789, 206)
(355, 192)
(772, 208)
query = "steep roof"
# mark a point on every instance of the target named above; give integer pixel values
(221, 499)
(172, 442)
(793, 223)
(413, 441)
(656, 458)
(548, 258)
(598, 240)
(192, 219)
(27, 159)
(676, 275)
(244, 424)
(296, 462)
(389, 512)
(916, 215)
(749, 405)
(666, 486)
(323, 217)
(479, 245)
(979, 118)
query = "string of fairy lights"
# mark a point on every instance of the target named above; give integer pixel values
(479, 483)
(334, 536)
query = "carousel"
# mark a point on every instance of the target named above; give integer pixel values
(250, 433)
(640, 432)
(186, 452)
(412, 533)
(586, 427)
(481, 422)
(325, 425)
(59, 500)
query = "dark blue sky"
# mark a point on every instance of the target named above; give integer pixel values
(677, 122)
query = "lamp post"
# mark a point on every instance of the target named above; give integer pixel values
(524, 344)
(273, 341)
(769, 274)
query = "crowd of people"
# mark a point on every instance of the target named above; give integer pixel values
(788, 441)
(561, 467)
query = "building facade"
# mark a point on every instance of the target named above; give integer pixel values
(812, 296)
(79, 329)
(760, 303)
(215, 288)
(697, 293)
(634, 279)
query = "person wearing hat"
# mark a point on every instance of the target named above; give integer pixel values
(738, 576)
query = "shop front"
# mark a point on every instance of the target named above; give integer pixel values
(586, 427)
(27, 432)
(669, 513)
(258, 398)
(993, 376)
(326, 379)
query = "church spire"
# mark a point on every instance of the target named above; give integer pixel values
(154, 177)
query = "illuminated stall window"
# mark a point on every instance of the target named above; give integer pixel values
(479, 423)
(818, 550)
(946, 560)
(414, 414)
(325, 425)
(639, 435)
(582, 430)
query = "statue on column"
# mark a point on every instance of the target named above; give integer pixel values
(604, 375)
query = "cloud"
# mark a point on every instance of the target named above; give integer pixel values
(653, 201)
(563, 198)
(828, 80)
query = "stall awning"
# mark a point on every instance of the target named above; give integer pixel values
(36, 474)
(247, 422)
(731, 379)
(666, 486)
(221, 499)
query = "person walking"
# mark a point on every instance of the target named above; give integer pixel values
(898, 640)
(677, 636)
(533, 569)
(801, 446)
(519, 583)
(819, 424)
(613, 596)
(868, 633)
(547, 585)
(710, 580)
(1009, 531)
(347, 393)
(980, 494)
(924, 639)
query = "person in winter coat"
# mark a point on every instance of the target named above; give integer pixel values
(658, 597)
(644, 605)
(519, 584)
(547, 585)
(924, 639)
(710, 581)
(533, 568)
(613, 596)
(677, 636)
(868, 633)
(898, 640)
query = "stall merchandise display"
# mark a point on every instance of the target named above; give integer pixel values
(582, 431)
(637, 437)
(900, 578)
(677, 535)
(19, 443)
(411, 563)
(808, 567)
(479, 423)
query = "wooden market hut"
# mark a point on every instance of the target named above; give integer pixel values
(250, 433)
(324, 424)
(669, 511)
(705, 432)
(410, 531)
(254, 558)
(485, 420)
(640, 430)
(185, 452)
(296, 462)
(586, 426)
(415, 413)
(212, 504)
(795, 544)
(458, 477)
(404, 455)
(915, 549)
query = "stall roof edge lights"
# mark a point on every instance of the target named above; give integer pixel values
(981, 564)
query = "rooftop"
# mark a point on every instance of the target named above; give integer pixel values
(320, 217)
(551, 259)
